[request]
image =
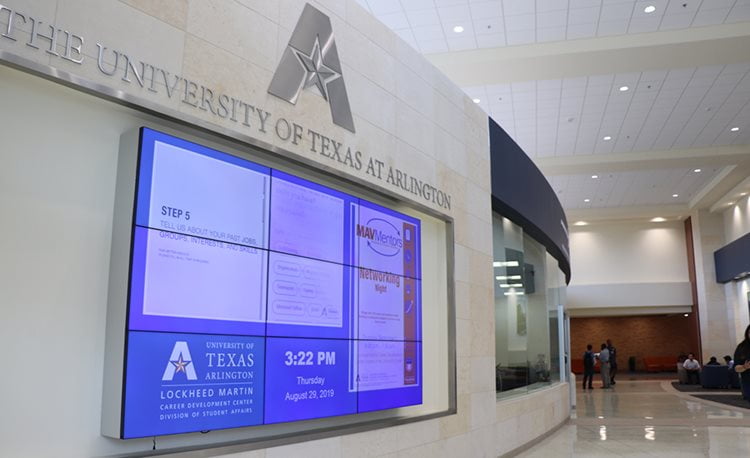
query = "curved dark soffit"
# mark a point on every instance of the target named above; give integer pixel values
(521, 193)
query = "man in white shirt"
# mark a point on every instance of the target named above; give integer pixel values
(604, 366)
(693, 368)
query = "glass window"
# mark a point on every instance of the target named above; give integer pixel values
(529, 294)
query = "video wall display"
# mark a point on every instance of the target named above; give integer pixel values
(258, 297)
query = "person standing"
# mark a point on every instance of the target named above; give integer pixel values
(588, 367)
(693, 369)
(612, 361)
(604, 365)
(742, 363)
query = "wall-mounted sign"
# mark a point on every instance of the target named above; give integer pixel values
(258, 297)
(310, 61)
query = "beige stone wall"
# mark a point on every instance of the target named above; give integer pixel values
(406, 113)
(717, 319)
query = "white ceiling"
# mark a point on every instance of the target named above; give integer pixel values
(679, 108)
(669, 121)
(636, 188)
(428, 24)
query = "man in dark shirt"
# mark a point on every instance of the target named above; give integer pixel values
(612, 361)
(588, 367)
(713, 362)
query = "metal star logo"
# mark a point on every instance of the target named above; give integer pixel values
(311, 60)
(318, 74)
(180, 364)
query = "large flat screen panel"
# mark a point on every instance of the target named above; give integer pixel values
(259, 297)
(390, 374)
(387, 241)
(189, 277)
(194, 190)
(308, 298)
(190, 382)
(309, 378)
(388, 306)
(310, 220)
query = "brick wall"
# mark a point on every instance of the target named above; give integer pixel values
(637, 336)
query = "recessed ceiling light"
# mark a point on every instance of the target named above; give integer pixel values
(623, 88)
(730, 203)
(697, 170)
(675, 195)
(658, 219)
(607, 138)
(685, 315)
(580, 223)
(595, 176)
(649, 9)
(735, 129)
(587, 200)
(476, 100)
(458, 29)
(743, 194)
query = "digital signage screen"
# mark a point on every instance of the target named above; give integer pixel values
(259, 297)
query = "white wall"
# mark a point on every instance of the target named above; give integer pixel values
(628, 252)
(56, 197)
(628, 268)
(631, 295)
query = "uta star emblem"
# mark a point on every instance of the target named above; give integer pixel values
(180, 364)
(316, 72)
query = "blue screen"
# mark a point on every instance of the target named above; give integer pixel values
(259, 297)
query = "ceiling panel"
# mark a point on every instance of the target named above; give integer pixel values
(674, 109)
(498, 23)
(635, 188)
(679, 108)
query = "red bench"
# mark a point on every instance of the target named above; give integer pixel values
(660, 363)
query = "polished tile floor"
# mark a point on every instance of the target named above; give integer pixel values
(647, 418)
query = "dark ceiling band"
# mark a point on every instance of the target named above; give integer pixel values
(521, 193)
